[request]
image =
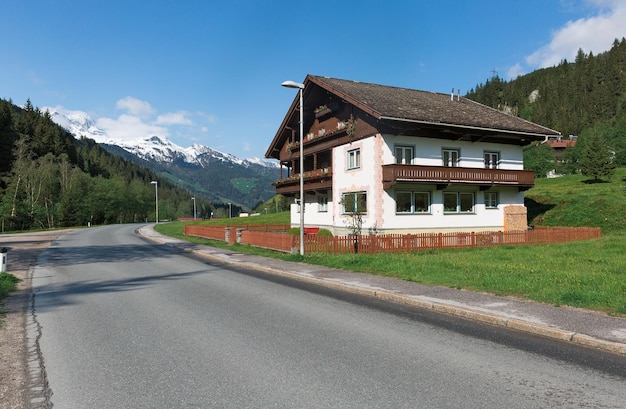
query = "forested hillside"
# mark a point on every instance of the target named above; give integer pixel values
(585, 98)
(50, 179)
(219, 181)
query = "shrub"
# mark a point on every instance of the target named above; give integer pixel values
(8, 283)
(325, 233)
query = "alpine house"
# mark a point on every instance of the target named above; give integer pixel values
(406, 161)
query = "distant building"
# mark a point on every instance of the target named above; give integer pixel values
(559, 143)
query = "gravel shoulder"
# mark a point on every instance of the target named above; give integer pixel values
(24, 248)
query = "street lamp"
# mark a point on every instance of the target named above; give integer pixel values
(194, 208)
(156, 199)
(292, 84)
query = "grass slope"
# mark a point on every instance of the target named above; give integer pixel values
(575, 201)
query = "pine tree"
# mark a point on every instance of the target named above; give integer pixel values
(597, 159)
(540, 158)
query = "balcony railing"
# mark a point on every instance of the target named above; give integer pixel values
(317, 179)
(445, 176)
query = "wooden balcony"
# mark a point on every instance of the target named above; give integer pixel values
(314, 180)
(447, 176)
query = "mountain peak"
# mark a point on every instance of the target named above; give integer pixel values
(154, 148)
(205, 172)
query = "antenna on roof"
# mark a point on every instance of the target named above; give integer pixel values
(452, 95)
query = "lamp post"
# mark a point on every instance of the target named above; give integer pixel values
(194, 208)
(156, 199)
(292, 84)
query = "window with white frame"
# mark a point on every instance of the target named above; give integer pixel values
(404, 155)
(450, 157)
(408, 202)
(492, 160)
(491, 200)
(354, 202)
(354, 159)
(458, 202)
(322, 203)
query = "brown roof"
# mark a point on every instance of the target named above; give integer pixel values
(409, 108)
(393, 103)
(561, 143)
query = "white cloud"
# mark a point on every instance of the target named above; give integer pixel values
(594, 34)
(174, 118)
(210, 118)
(135, 107)
(515, 71)
(142, 121)
(128, 127)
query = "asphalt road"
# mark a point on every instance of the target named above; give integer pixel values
(129, 324)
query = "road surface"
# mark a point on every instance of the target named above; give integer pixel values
(125, 323)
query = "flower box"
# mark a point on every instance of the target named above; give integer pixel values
(322, 111)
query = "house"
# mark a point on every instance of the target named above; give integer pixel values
(559, 144)
(406, 160)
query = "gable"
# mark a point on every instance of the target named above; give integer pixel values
(405, 111)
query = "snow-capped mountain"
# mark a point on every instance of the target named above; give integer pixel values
(208, 173)
(153, 148)
(78, 123)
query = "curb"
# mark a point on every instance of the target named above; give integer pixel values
(466, 313)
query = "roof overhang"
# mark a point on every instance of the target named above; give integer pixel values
(524, 137)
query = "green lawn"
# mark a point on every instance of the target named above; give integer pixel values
(574, 201)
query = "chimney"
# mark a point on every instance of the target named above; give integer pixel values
(458, 98)
(452, 95)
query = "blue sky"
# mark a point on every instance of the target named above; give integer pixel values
(209, 71)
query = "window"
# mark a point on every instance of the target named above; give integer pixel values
(450, 157)
(412, 202)
(404, 155)
(354, 202)
(458, 202)
(354, 159)
(421, 202)
(492, 160)
(404, 202)
(322, 203)
(491, 200)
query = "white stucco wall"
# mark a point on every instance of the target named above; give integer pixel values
(428, 152)
(313, 216)
(482, 219)
(366, 179)
(381, 214)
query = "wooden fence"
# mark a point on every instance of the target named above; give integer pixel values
(426, 241)
(269, 240)
(275, 239)
(207, 232)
